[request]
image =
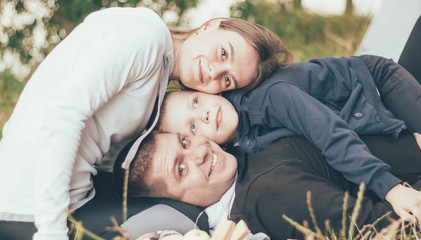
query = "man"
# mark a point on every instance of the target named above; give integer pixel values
(269, 184)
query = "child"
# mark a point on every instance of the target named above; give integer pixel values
(329, 101)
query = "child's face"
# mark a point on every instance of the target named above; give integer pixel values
(197, 113)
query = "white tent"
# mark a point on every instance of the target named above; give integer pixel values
(390, 28)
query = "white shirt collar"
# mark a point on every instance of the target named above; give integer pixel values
(221, 210)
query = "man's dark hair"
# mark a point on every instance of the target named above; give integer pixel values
(138, 170)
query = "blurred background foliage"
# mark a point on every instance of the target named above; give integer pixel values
(307, 35)
(29, 29)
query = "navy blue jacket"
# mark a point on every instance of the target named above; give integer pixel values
(329, 101)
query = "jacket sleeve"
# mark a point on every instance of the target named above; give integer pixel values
(399, 90)
(98, 74)
(285, 105)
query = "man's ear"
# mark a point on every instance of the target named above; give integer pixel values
(211, 24)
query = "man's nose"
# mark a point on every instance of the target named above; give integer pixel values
(198, 150)
(197, 155)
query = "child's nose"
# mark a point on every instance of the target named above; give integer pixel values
(205, 116)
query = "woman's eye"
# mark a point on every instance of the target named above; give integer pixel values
(193, 127)
(223, 54)
(195, 103)
(181, 169)
(227, 82)
(184, 143)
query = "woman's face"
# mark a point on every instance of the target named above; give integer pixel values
(196, 113)
(216, 60)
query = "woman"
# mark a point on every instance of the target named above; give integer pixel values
(98, 89)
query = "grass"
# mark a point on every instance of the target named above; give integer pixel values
(81, 232)
(397, 230)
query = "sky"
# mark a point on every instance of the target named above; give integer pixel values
(220, 8)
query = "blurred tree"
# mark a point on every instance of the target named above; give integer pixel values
(306, 35)
(349, 8)
(10, 89)
(297, 5)
(29, 29)
(71, 13)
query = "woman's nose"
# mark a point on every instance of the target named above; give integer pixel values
(215, 70)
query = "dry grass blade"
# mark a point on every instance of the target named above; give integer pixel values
(309, 234)
(363, 231)
(356, 210)
(389, 232)
(367, 235)
(342, 233)
(117, 228)
(313, 217)
(329, 230)
(81, 231)
(126, 184)
(367, 232)
(298, 226)
(369, 229)
(413, 229)
(403, 232)
(413, 232)
(197, 219)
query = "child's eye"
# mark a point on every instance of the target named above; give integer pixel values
(223, 54)
(181, 169)
(227, 82)
(193, 127)
(195, 102)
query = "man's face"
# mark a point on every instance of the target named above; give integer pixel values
(194, 169)
(196, 113)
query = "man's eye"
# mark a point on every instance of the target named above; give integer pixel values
(195, 103)
(184, 143)
(181, 169)
(193, 127)
(227, 82)
(223, 54)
